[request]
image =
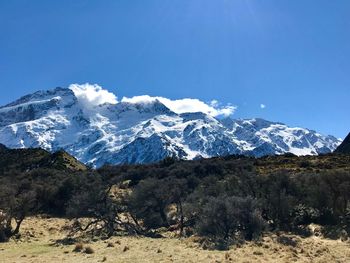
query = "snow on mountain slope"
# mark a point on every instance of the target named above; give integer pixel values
(93, 126)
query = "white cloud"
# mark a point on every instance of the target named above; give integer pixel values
(186, 105)
(139, 99)
(262, 106)
(92, 95)
(214, 103)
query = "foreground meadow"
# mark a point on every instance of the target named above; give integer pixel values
(41, 241)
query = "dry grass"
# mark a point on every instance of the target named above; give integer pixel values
(302, 164)
(272, 248)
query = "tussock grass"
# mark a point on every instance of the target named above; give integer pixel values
(89, 250)
(78, 247)
(110, 244)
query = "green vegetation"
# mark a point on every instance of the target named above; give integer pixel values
(226, 200)
(28, 159)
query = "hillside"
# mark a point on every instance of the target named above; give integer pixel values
(28, 159)
(203, 210)
(344, 147)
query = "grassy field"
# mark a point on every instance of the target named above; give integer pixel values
(40, 236)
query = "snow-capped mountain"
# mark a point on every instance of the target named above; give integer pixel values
(96, 132)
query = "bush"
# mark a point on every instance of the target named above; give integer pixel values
(229, 218)
(17, 199)
(305, 164)
(96, 202)
(151, 199)
(304, 215)
(89, 250)
(78, 247)
(279, 195)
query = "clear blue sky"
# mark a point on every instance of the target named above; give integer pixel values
(293, 56)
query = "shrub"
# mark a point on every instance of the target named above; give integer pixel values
(151, 198)
(89, 250)
(228, 218)
(17, 199)
(110, 244)
(78, 247)
(279, 196)
(304, 164)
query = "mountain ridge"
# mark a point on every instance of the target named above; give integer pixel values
(25, 160)
(344, 147)
(143, 132)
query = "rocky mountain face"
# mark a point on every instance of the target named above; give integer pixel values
(146, 132)
(344, 147)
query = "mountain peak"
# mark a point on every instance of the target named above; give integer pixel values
(91, 125)
(36, 105)
(41, 95)
(154, 107)
(188, 116)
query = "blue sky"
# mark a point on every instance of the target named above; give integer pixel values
(292, 56)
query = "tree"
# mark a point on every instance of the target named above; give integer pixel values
(278, 193)
(17, 200)
(226, 218)
(96, 201)
(151, 199)
(337, 184)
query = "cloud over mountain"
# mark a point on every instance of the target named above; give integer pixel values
(91, 95)
(186, 105)
(119, 133)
